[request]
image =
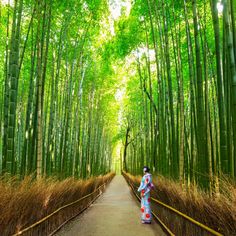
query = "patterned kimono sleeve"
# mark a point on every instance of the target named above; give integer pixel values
(142, 185)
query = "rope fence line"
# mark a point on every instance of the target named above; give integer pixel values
(65, 222)
(212, 231)
(188, 218)
(23, 231)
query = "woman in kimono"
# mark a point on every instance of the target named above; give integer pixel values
(145, 187)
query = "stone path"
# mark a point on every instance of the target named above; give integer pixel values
(115, 213)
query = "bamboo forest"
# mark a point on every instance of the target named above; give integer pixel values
(94, 88)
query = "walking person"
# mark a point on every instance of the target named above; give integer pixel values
(145, 187)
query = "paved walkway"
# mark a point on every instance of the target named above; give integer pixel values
(115, 213)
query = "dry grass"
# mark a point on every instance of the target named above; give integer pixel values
(217, 212)
(24, 203)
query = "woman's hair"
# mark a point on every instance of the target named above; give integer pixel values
(146, 169)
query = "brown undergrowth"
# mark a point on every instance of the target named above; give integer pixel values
(24, 203)
(217, 212)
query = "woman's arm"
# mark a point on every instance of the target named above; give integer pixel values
(145, 185)
(141, 186)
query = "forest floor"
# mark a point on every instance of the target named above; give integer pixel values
(115, 213)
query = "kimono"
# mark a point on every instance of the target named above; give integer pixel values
(145, 188)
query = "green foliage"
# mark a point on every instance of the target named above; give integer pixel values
(151, 59)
